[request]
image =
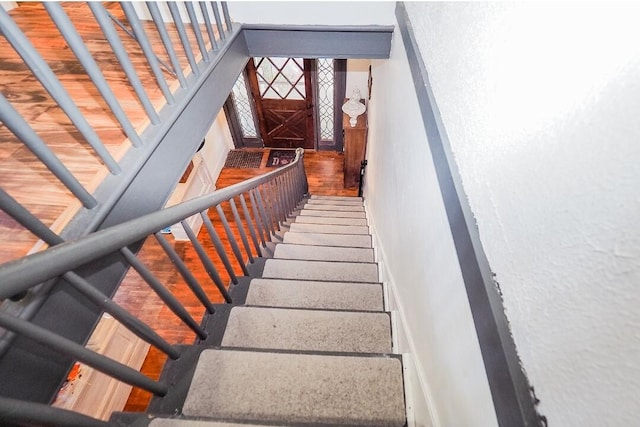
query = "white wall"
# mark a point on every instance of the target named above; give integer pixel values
(358, 78)
(415, 247)
(541, 103)
(217, 146)
(313, 12)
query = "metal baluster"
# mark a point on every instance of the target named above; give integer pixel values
(227, 18)
(232, 240)
(207, 21)
(277, 184)
(206, 262)
(145, 44)
(166, 296)
(260, 223)
(102, 17)
(196, 30)
(50, 82)
(272, 203)
(249, 220)
(177, 20)
(286, 193)
(166, 41)
(240, 226)
(216, 16)
(20, 128)
(291, 191)
(81, 52)
(215, 239)
(21, 412)
(268, 225)
(76, 351)
(277, 205)
(189, 278)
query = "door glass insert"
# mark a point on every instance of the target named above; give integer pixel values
(243, 108)
(325, 98)
(280, 78)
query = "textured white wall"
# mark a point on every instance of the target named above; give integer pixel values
(313, 12)
(416, 249)
(541, 103)
(358, 77)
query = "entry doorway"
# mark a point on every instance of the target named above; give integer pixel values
(280, 102)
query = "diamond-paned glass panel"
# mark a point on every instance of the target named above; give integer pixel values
(325, 98)
(280, 78)
(243, 108)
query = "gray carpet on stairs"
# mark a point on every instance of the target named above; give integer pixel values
(317, 239)
(323, 253)
(333, 214)
(320, 270)
(311, 294)
(300, 219)
(241, 385)
(308, 330)
(334, 208)
(329, 228)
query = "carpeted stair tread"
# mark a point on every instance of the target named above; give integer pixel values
(346, 208)
(323, 253)
(329, 228)
(311, 294)
(308, 330)
(335, 202)
(297, 388)
(332, 214)
(318, 239)
(319, 197)
(329, 220)
(320, 270)
(177, 422)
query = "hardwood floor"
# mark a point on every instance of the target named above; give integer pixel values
(21, 173)
(325, 177)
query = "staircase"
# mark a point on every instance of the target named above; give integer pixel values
(310, 345)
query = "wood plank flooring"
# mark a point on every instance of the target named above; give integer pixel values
(21, 173)
(325, 177)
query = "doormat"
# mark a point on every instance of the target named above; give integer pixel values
(279, 158)
(243, 159)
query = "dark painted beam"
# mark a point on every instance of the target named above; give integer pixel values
(339, 42)
(510, 390)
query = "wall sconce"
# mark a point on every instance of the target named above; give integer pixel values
(353, 108)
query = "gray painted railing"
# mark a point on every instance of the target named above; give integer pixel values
(43, 72)
(278, 193)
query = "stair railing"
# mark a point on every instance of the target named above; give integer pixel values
(265, 201)
(99, 205)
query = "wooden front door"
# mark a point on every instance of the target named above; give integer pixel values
(282, 90)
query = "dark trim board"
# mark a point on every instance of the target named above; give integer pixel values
(371, 42)
(510, 390)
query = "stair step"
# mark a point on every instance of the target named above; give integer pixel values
(308, 330)
(177, 422)
(335, 202)
(348, 208)
(320, 270)
(297, 388)
(317, 239)
(313, 196)
(310, 294)
(332, 214)
(329, 220)
(323, 253)
(329, 228)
